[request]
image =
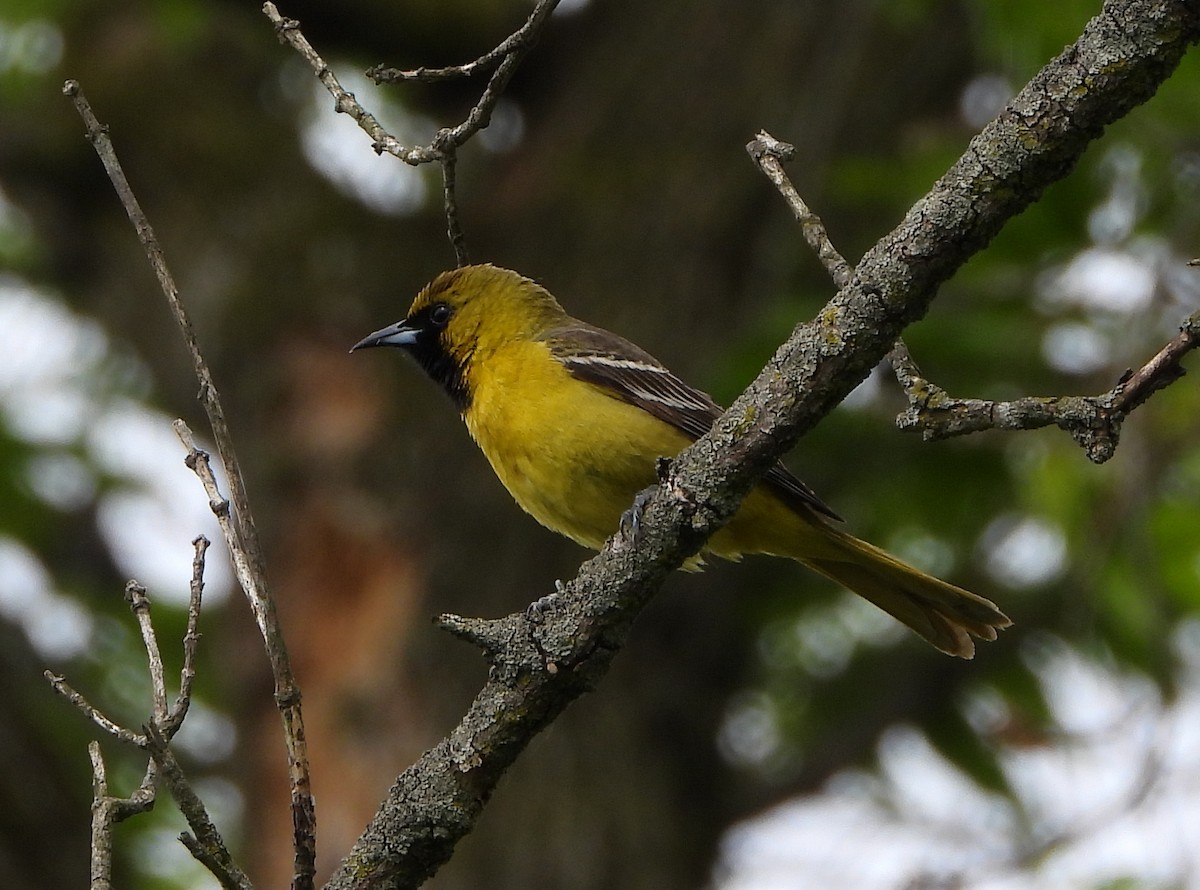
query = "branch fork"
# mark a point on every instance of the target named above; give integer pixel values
(1094, 422)
(503, 61)
(165, 721)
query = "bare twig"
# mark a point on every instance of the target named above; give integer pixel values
(303, 817)
(450, 203)
(443, 148)
(106, 812)
(106, 809)
(191, 642)
(344, 101)
(1161, 371)
(206, 844)
(98, 135)
(139, 604)
(480, 114)
(769, 154)
(63, 688)
(242, 536)
(103, 818)
(446, 139)
(521, 40)
(1093, 421)
(198, 461)
(102, 822)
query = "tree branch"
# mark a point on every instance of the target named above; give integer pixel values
(108, 810)
(1118, 62)
(304, 838)
(241, 533)
(1093, 421)
(770, 154)
(520, 41)
(139, 604)
(206, 844)
(191, 642)
(443, 149)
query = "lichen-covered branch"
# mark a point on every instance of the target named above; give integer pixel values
(1093, 421)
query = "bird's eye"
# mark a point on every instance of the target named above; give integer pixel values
(439, 314)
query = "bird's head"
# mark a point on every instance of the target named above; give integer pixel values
(462, 317)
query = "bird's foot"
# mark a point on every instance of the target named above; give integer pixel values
(539, 607)
(631, 520)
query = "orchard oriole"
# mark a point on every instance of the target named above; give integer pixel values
(573, 419)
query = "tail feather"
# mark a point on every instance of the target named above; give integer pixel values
(945, 615)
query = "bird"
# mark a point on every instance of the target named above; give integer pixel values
(574, 419)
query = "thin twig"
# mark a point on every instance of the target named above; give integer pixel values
(98, 135)
(191, 642)
(443, 148)
(303, 815)
(480, 114)
(344, 101)
(139, 604)
(107, 811)
(521, 40)
(769, 154)
(243, 536)
(1161, 371)
(216, 854)
(453, 227)
(1093, 421)
(63, 688)
(102, 823)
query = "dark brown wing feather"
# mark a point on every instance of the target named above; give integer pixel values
(631, 374)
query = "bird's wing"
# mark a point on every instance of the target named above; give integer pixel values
(629, 373)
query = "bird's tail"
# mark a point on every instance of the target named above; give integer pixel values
(945, 615)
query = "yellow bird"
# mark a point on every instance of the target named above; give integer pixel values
(573, 419)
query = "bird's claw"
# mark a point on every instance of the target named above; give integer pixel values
(539, 607)
(631, 519)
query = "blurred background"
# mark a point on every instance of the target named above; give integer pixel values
(763, 729)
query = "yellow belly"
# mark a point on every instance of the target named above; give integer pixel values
(570, 455)
(574, 458)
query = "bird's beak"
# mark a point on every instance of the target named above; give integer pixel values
(399, 334)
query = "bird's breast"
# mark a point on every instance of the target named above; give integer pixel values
(571, 455)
